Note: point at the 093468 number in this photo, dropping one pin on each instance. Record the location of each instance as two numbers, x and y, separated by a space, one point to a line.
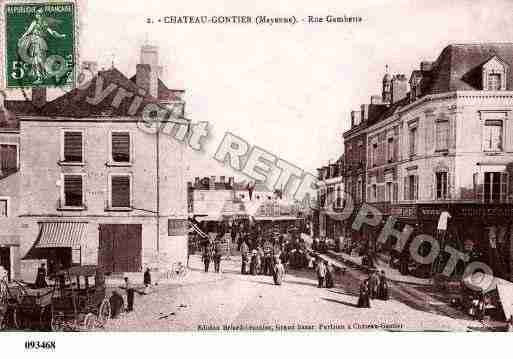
40 345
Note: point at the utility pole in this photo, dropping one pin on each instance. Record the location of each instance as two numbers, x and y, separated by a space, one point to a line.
158 186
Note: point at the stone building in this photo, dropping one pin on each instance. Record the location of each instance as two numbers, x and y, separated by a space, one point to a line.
96 187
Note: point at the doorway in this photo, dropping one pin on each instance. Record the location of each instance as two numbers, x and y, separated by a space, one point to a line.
5 260
120 248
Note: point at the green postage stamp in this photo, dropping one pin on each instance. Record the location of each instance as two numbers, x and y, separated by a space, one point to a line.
39 44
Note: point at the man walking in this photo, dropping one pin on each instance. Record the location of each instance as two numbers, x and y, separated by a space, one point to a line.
217 256
321 272
207 255
244 250
130 291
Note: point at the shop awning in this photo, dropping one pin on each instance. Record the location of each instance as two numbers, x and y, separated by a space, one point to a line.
61 234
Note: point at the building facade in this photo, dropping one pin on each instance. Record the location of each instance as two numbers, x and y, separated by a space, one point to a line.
93 186
447 145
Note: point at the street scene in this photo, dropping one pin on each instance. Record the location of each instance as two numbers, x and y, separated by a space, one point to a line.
158 183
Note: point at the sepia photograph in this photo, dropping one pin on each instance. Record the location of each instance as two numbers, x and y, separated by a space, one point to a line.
259 169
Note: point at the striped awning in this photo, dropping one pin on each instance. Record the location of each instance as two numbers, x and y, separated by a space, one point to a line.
61 234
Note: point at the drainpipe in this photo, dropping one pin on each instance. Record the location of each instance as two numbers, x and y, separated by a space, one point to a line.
158 189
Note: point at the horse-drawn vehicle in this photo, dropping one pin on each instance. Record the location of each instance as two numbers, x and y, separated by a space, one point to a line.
76 300
80 300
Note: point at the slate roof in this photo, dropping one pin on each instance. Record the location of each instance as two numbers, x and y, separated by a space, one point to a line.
458 67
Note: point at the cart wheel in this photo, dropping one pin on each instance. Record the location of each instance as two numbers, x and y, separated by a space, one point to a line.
89 322
104 313
45 318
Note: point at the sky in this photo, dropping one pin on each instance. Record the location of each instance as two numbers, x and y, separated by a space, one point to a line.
288 89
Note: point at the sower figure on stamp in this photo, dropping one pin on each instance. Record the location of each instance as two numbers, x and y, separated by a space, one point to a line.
32 43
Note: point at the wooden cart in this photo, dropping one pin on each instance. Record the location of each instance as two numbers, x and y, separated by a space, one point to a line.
80 301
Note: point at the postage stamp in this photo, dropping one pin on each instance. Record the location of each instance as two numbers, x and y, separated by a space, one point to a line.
39 44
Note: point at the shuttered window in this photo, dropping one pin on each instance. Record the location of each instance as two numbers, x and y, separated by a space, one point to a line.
8 158
73 191
442 185
3 208
442 135
73 143
120 191
492 136
121 146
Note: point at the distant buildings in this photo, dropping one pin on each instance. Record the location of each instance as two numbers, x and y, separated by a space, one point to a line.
88 185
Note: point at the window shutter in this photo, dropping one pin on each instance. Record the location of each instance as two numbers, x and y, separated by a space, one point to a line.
396 191
120 191
72 146
405 185
121 146
8 158
449 185
73 190
504 187
416 188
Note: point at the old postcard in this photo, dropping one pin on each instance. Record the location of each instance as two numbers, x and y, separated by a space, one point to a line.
259 167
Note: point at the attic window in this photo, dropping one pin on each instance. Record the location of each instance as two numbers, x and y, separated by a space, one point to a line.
495 74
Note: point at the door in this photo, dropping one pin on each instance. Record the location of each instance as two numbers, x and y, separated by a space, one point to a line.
120 247
5 260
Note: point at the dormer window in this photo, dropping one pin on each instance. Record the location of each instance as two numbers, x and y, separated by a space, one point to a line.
495 74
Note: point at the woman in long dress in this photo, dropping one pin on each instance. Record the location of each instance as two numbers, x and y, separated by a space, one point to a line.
32 45
278 272
364 300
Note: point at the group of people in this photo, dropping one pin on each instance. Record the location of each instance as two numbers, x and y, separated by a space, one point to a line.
373 287
269 259
212 252
324 271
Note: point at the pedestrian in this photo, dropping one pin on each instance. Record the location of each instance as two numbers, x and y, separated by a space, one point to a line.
383 287
130 292
218 250
207 255
41 277
364 298
329 275
278 271
260 259
244 250
321 272
147 281
253 264
373 284
116 304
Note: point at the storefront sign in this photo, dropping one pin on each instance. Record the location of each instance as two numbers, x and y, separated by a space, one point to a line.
176 227
405 211
488 211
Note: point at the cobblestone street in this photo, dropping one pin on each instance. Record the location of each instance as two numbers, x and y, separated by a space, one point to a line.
211 301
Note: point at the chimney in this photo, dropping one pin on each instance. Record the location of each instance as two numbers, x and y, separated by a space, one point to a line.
399 87
39 96
356 118
212 183
148 70
231 181
364 112
426 66
376 100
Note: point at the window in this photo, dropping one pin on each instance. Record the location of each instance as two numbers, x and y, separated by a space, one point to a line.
442 185
389 192
8 158
413 141
494 82
374 192
495 186
390 149
120 191
374 155
120 146
73 191
411 186
442 135
492 138
4 207
73 146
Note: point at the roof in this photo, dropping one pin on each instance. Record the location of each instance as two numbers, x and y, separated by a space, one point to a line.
163 92
458 67
75 103
8 119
